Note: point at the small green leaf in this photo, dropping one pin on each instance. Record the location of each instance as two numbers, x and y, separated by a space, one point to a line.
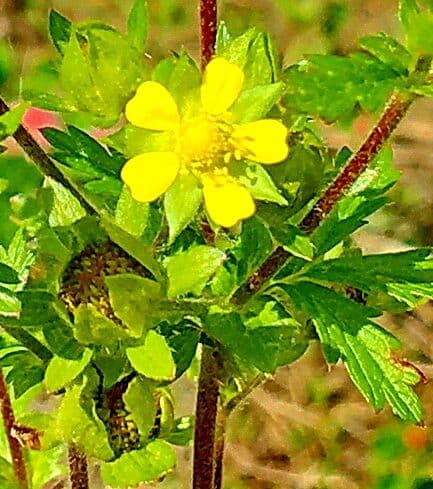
9 303
131 215
60 339
137 301
201 262
258 181
254 103
27 370
10 121
61 372
153 359
140 402
66 208
8 275
140 466
138 24
181 203
388 50
294 241
60 30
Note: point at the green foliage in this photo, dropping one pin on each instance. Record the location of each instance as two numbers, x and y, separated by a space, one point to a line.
10 121
61 372
138 24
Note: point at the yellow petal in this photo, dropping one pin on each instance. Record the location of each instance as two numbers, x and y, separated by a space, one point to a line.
149 175
227 202
152 107
264 141
222 84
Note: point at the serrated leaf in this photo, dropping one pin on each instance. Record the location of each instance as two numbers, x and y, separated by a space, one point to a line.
140 402
138 24
19 254
258 181
66 208
131 215
61 372
60 30
201 262
181 203
59 336
136 301
27 370
388 50
153 359
140 466
367 349
330 86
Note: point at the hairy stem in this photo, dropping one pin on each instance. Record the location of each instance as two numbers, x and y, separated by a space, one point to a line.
41 159
30 342
15 448
220 439
395 110
205 419
77 468
208 29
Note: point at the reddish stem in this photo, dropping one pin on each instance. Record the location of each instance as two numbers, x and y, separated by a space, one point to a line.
78 474
15 448
206 416
208 29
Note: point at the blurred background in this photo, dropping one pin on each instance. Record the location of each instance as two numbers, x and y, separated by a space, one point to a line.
308 427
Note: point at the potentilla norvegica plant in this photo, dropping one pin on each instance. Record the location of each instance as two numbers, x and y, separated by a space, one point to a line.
211 222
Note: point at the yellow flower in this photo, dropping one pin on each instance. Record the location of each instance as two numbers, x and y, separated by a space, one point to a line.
204 143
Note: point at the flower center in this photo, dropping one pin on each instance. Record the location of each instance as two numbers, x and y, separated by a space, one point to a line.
204 143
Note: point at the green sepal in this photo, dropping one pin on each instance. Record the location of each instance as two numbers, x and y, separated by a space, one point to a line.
60 30
145 465
138 24
140 402
181 203
153 359
131 215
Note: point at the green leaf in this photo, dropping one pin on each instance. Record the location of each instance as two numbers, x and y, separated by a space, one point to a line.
257 347
8 275
181 203
182 432
261 66
93 328
60 30
61 372
9 303
330 86
252 248
258 181
66 208
140 466
133 246
7 475
418 25
388 50
136 301
19 254
153 359
60 339
138 24
344 325
10 120
351 211
27 370
236 49
253 104
140 402
200 261
294 241
131 215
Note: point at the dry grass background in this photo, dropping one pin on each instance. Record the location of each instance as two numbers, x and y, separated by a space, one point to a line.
308 427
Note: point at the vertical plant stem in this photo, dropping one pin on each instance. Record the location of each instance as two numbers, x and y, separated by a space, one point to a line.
211 367
208 29
15 448
205 421
78 474
220 439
